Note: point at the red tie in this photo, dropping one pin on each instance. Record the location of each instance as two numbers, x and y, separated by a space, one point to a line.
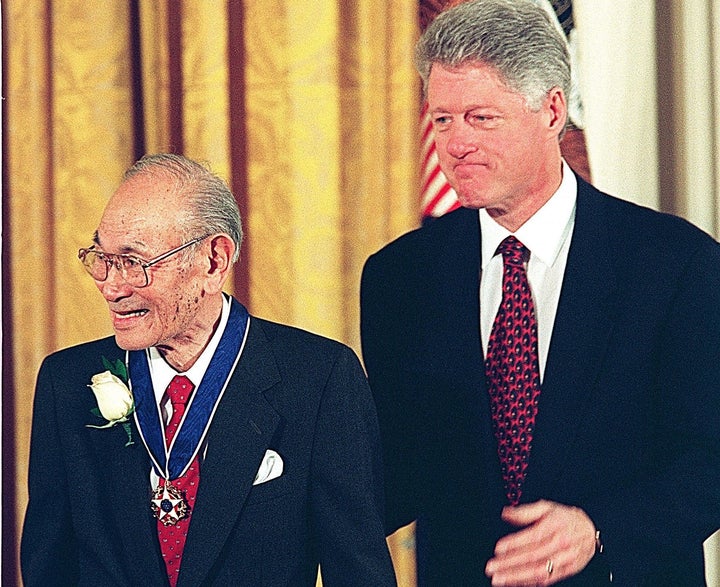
172 538
512 369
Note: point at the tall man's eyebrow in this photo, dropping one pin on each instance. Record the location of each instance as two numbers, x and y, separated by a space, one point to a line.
96 238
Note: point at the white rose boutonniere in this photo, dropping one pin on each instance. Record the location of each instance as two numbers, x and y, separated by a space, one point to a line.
114 398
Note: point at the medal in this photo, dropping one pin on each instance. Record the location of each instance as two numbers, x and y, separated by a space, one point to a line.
169 505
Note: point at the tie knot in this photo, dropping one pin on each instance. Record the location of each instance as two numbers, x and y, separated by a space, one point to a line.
512 250
179 390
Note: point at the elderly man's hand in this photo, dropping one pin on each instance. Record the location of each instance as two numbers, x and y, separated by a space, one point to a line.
556 542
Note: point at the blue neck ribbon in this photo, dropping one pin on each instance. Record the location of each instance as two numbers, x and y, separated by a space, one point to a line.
171 463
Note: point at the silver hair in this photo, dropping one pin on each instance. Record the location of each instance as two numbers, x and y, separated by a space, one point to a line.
518 38
212 208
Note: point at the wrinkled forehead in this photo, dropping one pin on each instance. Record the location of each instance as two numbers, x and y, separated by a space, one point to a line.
144 214
468 69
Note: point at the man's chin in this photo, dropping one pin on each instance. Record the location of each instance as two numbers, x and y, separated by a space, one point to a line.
473 202
472 196
130 343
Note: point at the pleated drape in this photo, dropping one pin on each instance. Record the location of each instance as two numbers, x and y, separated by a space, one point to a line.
67 139
331 125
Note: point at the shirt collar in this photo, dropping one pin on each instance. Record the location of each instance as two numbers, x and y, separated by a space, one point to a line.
544 232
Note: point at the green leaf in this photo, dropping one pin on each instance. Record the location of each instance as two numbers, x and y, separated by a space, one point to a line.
117 368
96 412
122 371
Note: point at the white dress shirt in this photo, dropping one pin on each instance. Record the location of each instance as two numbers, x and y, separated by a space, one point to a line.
162 373
547 235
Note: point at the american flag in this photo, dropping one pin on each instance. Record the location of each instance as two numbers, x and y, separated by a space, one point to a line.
438 197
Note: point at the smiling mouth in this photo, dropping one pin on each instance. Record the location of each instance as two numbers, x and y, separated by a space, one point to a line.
130 314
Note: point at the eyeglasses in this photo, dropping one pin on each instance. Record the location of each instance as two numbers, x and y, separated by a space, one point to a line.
132 269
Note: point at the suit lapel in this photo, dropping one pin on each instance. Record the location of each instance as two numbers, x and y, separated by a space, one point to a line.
455 303
125 492
240 434
457 328
584 321
132 496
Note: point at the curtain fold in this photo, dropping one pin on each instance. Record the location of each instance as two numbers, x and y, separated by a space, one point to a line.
205 86
691 90
24 254
67 139
153 34
331 118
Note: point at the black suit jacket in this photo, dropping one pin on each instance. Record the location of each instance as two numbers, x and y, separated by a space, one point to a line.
628 427
88 520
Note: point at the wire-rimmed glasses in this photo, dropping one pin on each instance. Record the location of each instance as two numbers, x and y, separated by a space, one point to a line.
132 269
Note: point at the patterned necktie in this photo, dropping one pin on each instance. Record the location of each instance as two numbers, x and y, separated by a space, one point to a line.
512 369
172 537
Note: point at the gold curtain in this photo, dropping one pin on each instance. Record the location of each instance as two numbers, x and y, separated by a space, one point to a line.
309 110
331 109
67 140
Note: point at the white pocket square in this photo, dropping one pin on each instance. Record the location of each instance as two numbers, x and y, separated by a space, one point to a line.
270 468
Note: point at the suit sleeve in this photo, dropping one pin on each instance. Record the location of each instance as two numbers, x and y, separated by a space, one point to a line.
347 494
383 344
677 505
48 548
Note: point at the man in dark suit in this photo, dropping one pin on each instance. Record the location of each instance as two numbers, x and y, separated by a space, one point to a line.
273 469
545 360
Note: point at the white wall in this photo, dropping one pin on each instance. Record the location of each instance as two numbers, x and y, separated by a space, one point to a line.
616 73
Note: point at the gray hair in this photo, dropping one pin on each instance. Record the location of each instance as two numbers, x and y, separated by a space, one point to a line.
212 208
518 38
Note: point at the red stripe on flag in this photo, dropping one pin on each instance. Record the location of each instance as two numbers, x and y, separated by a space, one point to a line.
437 197
430 152
433 174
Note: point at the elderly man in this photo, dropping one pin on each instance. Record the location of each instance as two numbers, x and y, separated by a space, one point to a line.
546 359
214 448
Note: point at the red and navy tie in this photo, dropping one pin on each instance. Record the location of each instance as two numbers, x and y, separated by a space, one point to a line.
172 537
512 369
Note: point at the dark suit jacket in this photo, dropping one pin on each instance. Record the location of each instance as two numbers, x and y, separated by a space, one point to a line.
88 520
628 427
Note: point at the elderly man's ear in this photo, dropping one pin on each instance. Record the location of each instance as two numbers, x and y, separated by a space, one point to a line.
220 254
